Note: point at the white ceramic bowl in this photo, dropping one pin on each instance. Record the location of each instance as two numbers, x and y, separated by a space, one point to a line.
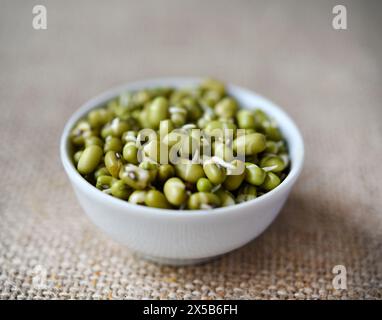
181 236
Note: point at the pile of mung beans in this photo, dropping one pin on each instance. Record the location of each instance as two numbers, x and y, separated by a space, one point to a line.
125 148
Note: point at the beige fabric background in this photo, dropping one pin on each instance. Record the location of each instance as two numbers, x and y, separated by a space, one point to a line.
329 81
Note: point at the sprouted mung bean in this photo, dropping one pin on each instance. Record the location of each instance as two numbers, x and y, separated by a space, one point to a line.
180 148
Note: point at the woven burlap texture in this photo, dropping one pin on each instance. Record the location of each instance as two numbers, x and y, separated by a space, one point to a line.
327 80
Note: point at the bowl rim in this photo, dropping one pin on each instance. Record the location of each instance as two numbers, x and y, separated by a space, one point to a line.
101 98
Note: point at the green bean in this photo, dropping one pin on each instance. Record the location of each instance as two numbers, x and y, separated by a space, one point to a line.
213 85
204 185
203 200
89 159
141 97
165 172
93 140
104 182
101 171
138 197
282 147
226 198
112 105
226 108
77 156
272 132
272 163
151 168
261 119
120 190
271 181
267 126
245 119
235 176
158 111
156 199
194 112
129 136
80 132
211 97
253 174
215 172
177 96
175 191
135 177
246 192
189 172
209 115
113 163
271 147
249 144
99 117
142 118
112 144
115 128
130 153
178 115
220 125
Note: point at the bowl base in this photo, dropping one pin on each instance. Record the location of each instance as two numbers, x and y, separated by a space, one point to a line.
177 262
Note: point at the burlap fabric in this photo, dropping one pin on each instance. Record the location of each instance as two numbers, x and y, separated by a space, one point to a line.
329 81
